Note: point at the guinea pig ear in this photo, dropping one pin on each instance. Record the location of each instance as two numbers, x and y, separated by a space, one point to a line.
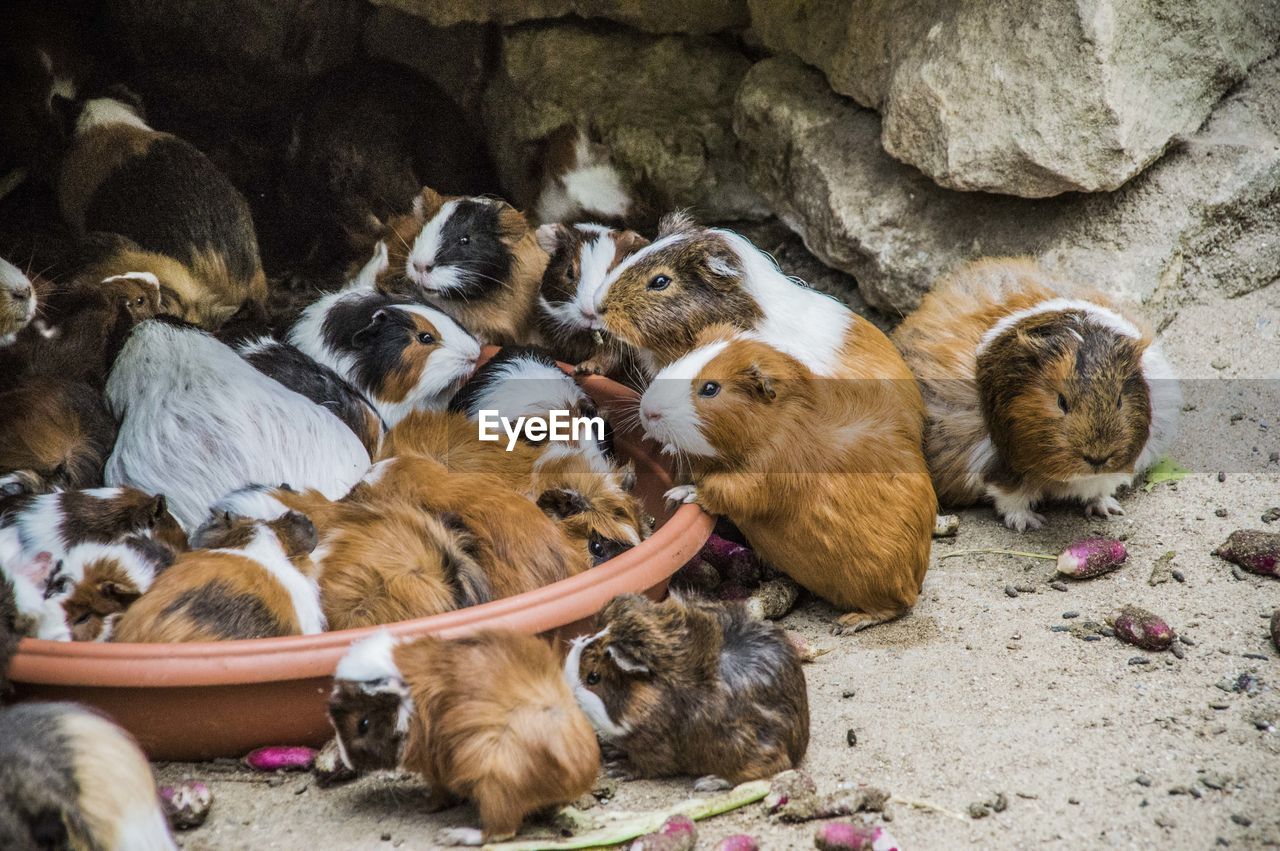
625 661
39 570
676 222
628 481
760 385
122 594
629 242
512 225
559 503
426 204
376 322
296 532
550 235
158 508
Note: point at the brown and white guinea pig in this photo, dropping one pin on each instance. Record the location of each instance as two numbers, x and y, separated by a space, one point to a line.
304 375
403 356
848 514
17 302
581 256
692 687
1036 389
572 179
54 433
519 546
488 718
57 522
246 580
121 176
69 778
96 583
475 257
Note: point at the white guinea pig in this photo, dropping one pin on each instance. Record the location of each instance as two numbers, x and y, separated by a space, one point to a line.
17 301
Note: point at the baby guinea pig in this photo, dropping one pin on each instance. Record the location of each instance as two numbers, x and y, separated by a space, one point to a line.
849 516
69 778
57 522
573 180
1036 389
580 258
17 301
692 687
475 257
245 581
488 718
403 356
95 583
121 176
56 433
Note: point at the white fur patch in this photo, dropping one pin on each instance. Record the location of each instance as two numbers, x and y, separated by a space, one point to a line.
670 398
1166 405
524 387
371 663
632 259
590 703
46 616
426 245
145 277
12 283
197 422
304 593
141 571
1096 313
252 502
100 112
367 277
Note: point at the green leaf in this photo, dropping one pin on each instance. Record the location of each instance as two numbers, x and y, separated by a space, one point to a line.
1165 470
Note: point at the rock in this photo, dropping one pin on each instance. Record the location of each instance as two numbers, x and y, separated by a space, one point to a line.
655 16
968 97
1205 219
662 106
391 34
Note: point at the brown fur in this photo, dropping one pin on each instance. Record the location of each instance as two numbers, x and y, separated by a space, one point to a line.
88 518
848 515
106 588
702 688
58 432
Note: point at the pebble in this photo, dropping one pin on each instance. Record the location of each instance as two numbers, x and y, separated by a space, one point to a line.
847 694
1261 656
1070 615
1058 586
1237 573
1177 651
1222 477
1219 512
1243 821
1010 591
1025 589
1217 782
1187 640
1139 660
1093 638
1178 575
1273 458
851 737
1073 801
1219 705
1271 515
1060 628
386 837
1220 363
1108 632
1142 780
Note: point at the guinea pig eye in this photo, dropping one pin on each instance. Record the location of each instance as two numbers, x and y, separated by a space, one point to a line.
426 338
709 389
1062 403
82 620
140 300
596 547
593 678
363 727
659 282
464 240
570 274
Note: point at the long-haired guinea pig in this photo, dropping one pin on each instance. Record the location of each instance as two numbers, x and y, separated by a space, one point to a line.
476 257
246 580
57 522
1036 388
572 179
95 583
25 579
310 378
403 356
69 778
366 137
17 301
121 176
692 687
488 718
825 478
581 257
57 433
197 422
519 546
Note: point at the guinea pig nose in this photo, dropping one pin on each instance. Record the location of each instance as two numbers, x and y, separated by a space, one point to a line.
1097 461
422 267
21 294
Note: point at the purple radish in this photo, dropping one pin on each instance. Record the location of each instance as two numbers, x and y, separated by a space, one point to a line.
738 842
282 758
186 804
677 833
1142 628
845 836
1091 557
1254 550
699 574
737 564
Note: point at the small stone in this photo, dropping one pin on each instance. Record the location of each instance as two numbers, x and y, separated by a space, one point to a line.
1237 573
1108 632
1187 640
1000 804
1094 637
1058 585
386 837
1070 615
1222 477
1142 780
978 810
1178 652
1060 628
1237 417
1259 656
1271 515
1220 512
1139 660
1242 820
848 694
1219 705
851 738
1025 589
1273 458
1073 801
1178 575
1010 591
1215 781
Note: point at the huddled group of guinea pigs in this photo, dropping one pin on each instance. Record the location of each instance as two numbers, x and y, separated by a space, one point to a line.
176 465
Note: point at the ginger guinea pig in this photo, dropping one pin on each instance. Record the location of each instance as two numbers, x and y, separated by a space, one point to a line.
475 257
825 478
69 778
96 583
487 718
692 687
244 581
17 301
1036 389
57 522
581 256
120 176
55 433
403 356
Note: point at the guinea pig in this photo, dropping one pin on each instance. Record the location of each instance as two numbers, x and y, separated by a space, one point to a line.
572 179
56 432
69 778
692 687
197 422
580 258
57 522
121 176
475 257
306 376
403 356
826 479
520 547
34 613
244 581
487 718
17 301
1036 388
365 138
95 583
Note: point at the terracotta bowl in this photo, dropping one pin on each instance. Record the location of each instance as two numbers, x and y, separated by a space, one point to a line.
222 699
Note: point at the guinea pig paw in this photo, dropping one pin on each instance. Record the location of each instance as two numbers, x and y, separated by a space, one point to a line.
711 783
588 367
1103 507
453 837
682 495
1022 521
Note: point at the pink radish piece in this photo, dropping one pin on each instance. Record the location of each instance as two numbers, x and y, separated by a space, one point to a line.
282 758
1091 557
737 842
845 836
1142 628
1254 550
186 804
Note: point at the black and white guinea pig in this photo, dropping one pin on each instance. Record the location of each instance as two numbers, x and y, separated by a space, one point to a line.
572 179
405 356
198 422
57 522
302 374
69 778
581 258
23 582
54 433
17 301
473 256
96 583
